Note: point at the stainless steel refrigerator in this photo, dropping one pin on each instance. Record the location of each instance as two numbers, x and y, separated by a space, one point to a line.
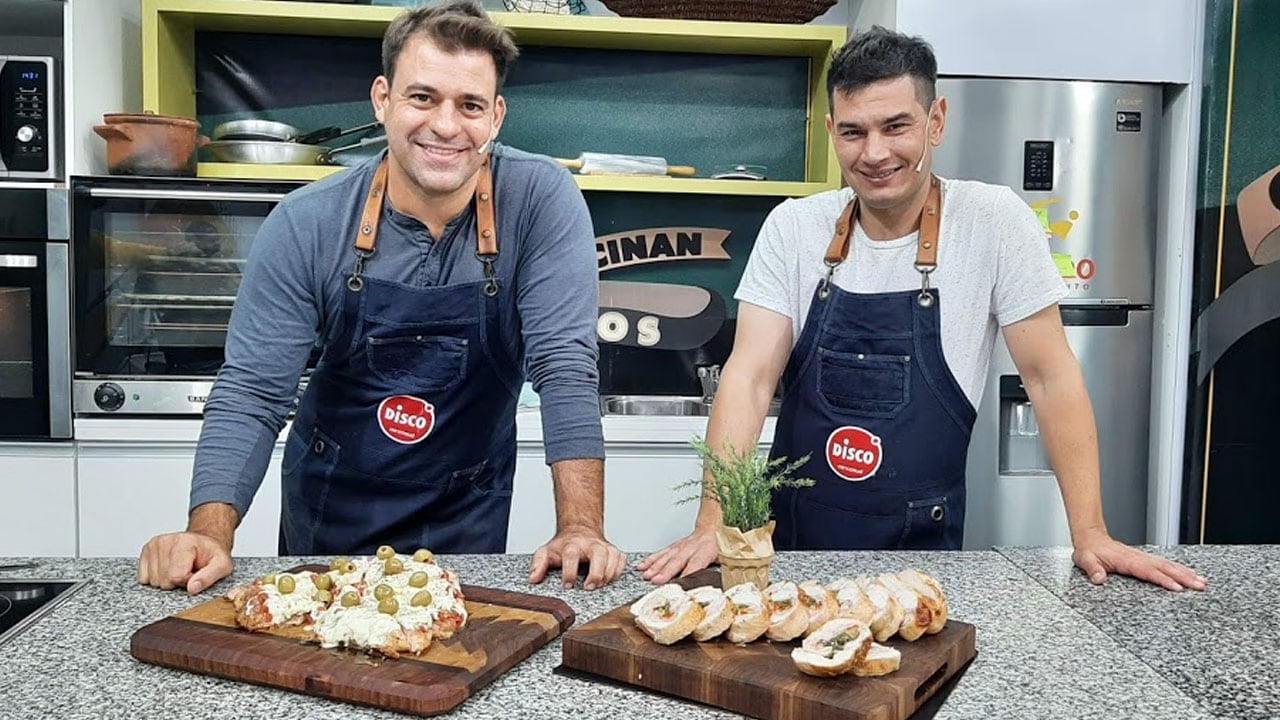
1084 156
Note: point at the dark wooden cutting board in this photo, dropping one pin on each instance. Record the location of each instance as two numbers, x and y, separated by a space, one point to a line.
759 679
503 629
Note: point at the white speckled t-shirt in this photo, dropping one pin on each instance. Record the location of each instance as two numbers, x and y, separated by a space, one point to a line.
994 267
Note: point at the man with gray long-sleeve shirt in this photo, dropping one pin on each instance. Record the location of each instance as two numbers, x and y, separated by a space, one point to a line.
433 277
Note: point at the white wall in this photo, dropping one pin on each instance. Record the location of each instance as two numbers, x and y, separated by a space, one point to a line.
105 66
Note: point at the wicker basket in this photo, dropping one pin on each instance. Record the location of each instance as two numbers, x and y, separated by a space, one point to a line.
771 11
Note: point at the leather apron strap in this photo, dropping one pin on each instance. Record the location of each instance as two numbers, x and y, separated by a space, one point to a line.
926 242
486 228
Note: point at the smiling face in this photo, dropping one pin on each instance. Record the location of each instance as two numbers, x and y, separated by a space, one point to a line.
440 109
879 133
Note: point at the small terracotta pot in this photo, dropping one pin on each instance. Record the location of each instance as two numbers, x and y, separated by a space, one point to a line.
745 557
150 144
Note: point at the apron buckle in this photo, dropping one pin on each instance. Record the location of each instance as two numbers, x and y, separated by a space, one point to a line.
490 277
355 283
925 299
824 289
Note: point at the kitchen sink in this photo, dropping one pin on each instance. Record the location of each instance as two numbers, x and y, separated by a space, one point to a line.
668 405
661 405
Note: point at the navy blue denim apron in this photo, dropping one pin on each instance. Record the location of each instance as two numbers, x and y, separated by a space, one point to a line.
868 395
406 433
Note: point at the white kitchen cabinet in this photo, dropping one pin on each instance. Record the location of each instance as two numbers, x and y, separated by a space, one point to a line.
132 491
38 514
1133 41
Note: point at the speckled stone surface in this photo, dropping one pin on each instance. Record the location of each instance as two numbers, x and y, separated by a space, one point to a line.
1036 657
1220 646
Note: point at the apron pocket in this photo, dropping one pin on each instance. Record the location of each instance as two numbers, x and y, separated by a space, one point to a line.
929 524
863 384
306 472
478 480
426 363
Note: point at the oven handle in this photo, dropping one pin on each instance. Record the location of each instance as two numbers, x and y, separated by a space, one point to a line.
58 275
142 194
19 261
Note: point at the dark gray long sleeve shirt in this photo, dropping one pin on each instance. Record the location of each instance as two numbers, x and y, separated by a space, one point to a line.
291 298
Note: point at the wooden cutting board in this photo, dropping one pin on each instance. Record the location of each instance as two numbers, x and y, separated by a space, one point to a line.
503 628
759 679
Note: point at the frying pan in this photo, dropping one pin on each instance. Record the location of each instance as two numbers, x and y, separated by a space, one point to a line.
255 129
275 152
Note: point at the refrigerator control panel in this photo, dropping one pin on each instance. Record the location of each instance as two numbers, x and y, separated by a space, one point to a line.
1037 165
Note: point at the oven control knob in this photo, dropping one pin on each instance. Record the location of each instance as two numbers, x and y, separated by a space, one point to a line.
26 134
109 396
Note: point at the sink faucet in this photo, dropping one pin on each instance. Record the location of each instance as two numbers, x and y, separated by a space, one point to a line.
709 376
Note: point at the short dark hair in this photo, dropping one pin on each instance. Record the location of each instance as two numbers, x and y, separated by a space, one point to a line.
455 25
880 54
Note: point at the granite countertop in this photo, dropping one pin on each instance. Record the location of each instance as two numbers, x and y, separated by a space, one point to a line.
1049 645
1221 647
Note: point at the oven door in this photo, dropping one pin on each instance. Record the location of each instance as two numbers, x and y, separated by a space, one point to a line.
158 264
34 341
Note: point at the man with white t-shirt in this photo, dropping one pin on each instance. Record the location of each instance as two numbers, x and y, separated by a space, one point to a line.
877 307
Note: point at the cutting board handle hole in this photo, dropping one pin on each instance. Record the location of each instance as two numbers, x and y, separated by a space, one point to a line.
930 682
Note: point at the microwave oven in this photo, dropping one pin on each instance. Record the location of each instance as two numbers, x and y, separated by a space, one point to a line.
28 118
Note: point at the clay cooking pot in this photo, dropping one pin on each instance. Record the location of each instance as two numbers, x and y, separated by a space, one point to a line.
150 144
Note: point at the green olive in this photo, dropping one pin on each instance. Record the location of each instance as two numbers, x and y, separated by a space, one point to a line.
388 605
350 599
382 592
285 584
394 566
347 567
322 596
339 563
324 582
418 579
422 598
423 555
268 579
386 551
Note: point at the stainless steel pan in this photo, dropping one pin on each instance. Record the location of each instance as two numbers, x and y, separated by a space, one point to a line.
254 129
274 152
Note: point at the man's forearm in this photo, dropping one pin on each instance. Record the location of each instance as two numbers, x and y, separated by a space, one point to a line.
215 520
579 489
737 416
1070 435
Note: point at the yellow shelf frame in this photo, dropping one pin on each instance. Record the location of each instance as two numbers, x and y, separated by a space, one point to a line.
168 69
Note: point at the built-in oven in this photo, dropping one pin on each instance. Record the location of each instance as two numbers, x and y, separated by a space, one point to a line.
35 318
158 263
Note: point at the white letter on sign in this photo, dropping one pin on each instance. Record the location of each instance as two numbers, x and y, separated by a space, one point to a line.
612 326
647 331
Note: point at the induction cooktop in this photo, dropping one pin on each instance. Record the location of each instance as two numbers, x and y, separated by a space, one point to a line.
23 601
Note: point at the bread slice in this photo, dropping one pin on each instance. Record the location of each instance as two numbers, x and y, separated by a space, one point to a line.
888 615
930 591
750 620
819 601
916 612
668 614
880 660
717 612
788 618
833 649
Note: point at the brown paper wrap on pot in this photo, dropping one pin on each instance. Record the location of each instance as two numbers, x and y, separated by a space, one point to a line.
745 557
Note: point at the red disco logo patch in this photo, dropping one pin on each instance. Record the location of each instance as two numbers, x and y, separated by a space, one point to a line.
853 453
406 419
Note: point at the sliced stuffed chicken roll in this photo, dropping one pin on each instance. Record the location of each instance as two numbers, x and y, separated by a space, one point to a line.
888 615
819 601
917 614
930 592
717 612
880 660
852 601
668 614
788 618
750 620
833 649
